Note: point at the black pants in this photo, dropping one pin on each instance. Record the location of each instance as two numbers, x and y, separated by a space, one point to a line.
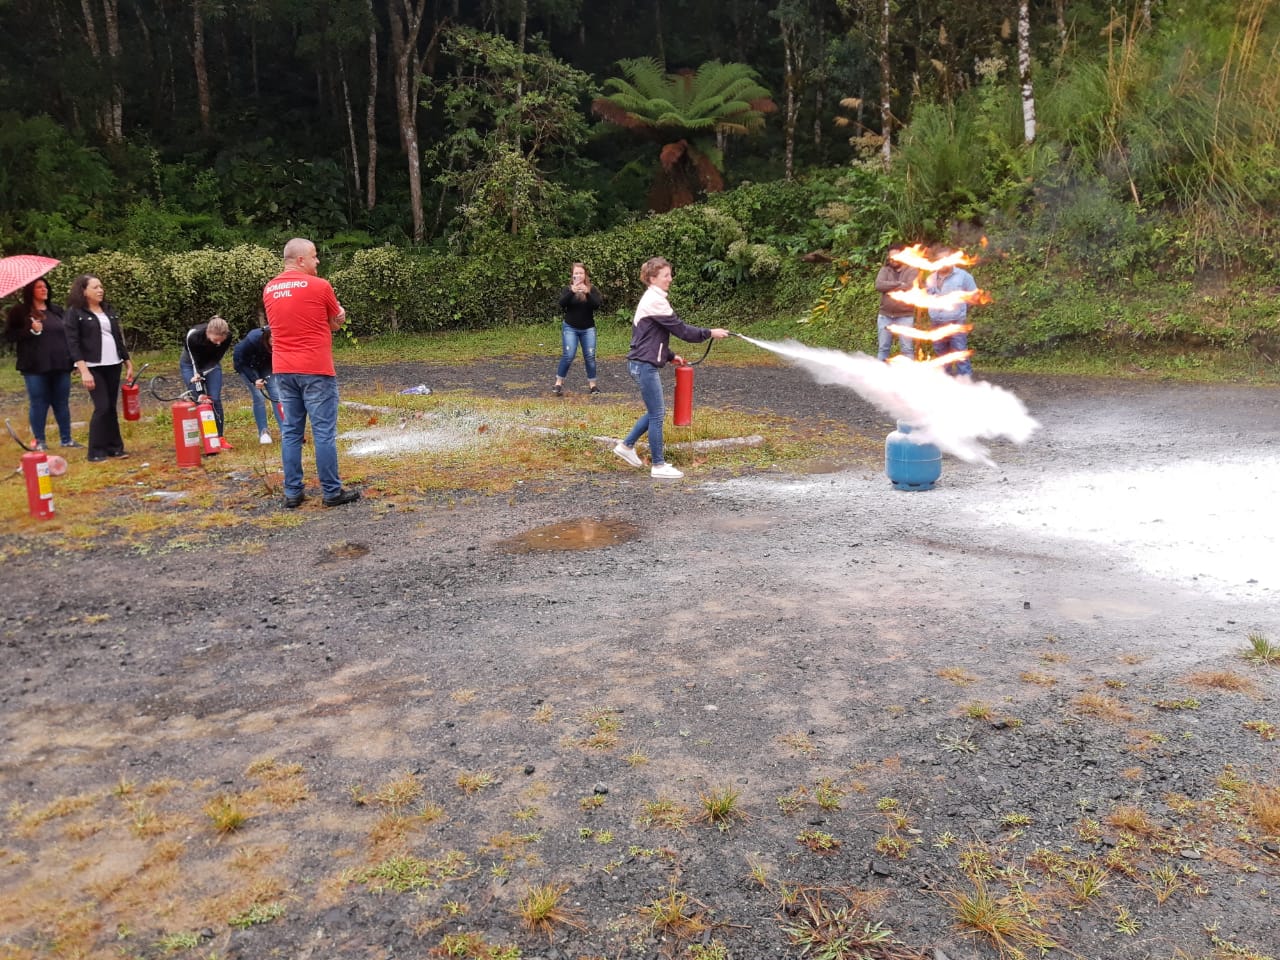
104 426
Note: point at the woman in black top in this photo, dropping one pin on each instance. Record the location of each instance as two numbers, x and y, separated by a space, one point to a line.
97 348
203 348
35 327
579 301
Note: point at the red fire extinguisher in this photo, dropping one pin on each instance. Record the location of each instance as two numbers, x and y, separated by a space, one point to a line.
131 396
38 469
682 415
210 441
186 433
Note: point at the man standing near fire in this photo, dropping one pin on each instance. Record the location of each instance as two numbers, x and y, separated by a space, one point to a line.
894 276
944 280
303 314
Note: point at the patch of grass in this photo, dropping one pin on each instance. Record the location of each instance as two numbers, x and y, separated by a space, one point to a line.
256 914
226 813
800 742
1132 819
677 914
1101 706
473 946
173 942
1264 805
1227 680
818 841
828 932
664 812
1263 728
400 792
958 676
606 724
403 873
1261 650
1187 703
636 758
542 910
1039 679
978 711
475 782
1003 920
720 807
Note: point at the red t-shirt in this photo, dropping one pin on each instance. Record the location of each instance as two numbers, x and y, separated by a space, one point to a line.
298 309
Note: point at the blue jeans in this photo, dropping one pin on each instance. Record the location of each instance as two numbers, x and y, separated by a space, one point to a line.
47 391
314 395
260 404
570 337
212 385
957 341
650 381
884 339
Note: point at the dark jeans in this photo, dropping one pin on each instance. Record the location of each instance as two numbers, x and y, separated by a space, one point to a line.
315 396
212 385
570 338
47 391
650 381
104 425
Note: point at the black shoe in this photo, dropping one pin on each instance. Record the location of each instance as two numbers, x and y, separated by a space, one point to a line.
346 496
97 459
593 389
70 444
558 389
293 503
120 455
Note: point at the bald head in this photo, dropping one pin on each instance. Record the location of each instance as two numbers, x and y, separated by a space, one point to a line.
300 254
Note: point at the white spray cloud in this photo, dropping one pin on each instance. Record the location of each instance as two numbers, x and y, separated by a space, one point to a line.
951 413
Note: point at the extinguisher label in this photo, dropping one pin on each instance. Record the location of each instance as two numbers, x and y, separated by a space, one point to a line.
44 480
190 432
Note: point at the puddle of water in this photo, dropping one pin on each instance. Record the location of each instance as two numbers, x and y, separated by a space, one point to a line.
583 534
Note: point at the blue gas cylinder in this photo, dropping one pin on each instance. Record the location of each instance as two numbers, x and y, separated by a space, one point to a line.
911 464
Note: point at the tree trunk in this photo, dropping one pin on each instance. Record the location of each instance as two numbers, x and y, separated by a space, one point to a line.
789 83
111 18
1024 71
817 120
1060 13
370 116
406 25
201 66
886 86
351 124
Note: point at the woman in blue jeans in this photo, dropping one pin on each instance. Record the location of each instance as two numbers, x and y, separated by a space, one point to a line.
579 301
252 360
35 328
652 327
201 363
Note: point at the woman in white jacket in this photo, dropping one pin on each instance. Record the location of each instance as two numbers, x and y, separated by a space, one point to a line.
652 327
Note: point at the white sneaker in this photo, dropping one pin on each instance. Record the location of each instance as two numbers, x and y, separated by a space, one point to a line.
265 438
665 471
628 454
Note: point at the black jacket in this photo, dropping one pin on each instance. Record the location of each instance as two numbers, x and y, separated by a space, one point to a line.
251 356
44 352
84 334
203 352
580 314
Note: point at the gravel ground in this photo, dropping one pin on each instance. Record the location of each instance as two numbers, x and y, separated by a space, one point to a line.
1023 676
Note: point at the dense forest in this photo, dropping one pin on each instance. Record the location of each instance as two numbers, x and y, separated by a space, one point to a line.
1129 137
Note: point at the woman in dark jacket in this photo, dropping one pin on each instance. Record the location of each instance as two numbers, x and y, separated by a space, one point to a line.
579 301
252 360
97 348
203 348
653 326
35 326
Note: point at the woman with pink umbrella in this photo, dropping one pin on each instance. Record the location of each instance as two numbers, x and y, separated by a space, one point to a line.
98 350
35 327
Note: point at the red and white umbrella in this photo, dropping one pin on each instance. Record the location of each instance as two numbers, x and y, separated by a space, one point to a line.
17 272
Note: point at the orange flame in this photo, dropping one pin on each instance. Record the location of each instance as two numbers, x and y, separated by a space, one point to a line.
918 297
916 256
933 336
946 359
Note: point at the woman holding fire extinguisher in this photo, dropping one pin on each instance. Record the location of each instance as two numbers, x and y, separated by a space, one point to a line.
97 348
652 327
203 348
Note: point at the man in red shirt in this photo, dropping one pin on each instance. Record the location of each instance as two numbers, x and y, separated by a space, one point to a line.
303 314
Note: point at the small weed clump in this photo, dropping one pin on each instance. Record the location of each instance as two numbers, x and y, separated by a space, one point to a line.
226 813
258 913
677 914
542 911
720 807
1002 919
1262 651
